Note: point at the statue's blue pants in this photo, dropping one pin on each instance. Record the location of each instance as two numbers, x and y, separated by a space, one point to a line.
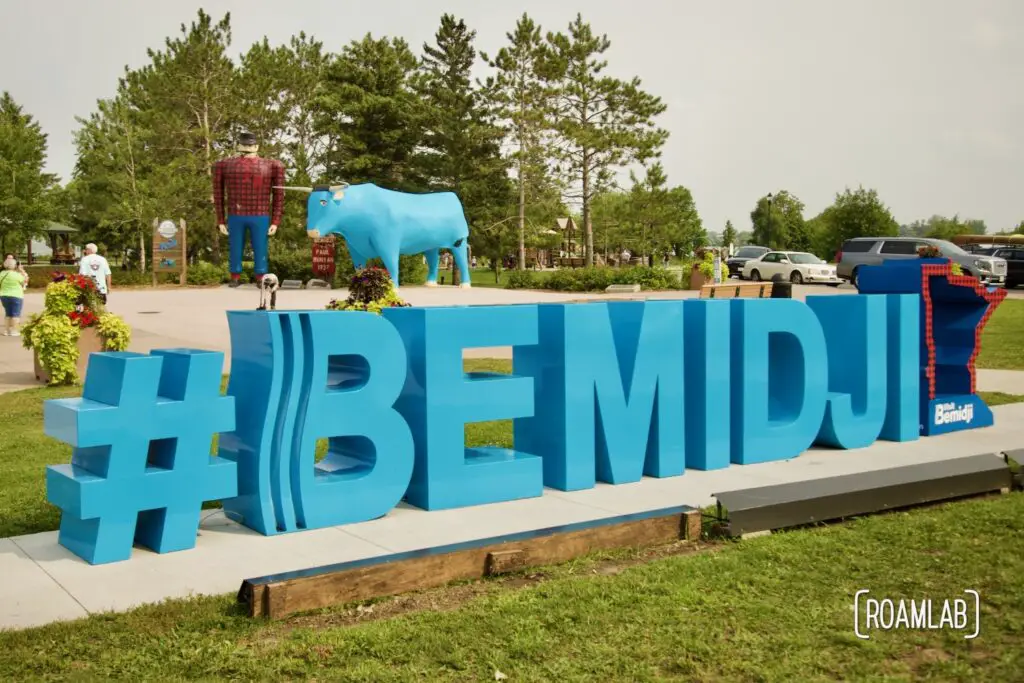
257 227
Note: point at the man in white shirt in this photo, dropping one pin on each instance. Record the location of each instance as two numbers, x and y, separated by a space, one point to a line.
96 267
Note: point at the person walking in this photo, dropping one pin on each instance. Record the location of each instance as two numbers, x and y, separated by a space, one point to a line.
96 267
12 294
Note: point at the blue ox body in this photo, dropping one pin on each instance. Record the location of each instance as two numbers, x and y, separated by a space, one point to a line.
379 223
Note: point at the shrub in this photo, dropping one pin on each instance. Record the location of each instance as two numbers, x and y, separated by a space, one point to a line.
928 251
292 264
71 305
135 278
579 279
411 268
55 340
707 265
114 331
369 284
520 279
41 275
648 278
370 289
204 274
597 279
61 298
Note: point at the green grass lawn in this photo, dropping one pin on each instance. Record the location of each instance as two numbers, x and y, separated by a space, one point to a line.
1002 346
776 608
484 277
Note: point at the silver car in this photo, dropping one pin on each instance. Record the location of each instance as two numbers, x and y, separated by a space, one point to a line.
872 251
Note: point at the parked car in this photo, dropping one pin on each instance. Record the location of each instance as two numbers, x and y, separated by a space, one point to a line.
1014 257
796 266
873 251
742 255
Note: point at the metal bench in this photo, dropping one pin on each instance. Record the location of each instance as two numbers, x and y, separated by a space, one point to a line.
743 290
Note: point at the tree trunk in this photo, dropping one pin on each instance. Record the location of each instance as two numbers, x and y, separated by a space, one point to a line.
522 200
588 229
209 173
142 251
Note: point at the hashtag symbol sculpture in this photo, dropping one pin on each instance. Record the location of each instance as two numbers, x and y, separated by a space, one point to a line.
141 466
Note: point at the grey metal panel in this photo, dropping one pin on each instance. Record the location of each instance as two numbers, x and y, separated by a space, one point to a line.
819 500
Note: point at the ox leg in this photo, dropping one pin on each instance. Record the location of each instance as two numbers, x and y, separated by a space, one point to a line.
358 260
461 254
390 259
433 257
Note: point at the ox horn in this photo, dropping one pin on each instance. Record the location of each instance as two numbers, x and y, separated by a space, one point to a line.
307 190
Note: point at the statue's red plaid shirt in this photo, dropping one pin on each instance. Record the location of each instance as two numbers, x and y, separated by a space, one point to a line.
243 185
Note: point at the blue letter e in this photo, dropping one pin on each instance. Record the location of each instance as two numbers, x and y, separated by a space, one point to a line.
440 398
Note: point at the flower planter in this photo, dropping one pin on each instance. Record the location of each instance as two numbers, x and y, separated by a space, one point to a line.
88 342
697 279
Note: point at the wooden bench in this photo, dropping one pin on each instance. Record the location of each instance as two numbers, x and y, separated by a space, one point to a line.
742 290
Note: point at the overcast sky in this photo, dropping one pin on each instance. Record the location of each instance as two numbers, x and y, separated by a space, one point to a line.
921 99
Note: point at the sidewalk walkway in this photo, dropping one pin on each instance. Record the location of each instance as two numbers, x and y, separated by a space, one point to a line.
43 582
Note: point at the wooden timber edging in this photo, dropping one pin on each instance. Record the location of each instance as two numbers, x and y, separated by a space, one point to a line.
280 595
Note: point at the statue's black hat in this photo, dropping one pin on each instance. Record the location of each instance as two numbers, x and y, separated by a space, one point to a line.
247 139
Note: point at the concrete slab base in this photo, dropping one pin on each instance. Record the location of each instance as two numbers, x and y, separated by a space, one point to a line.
43 582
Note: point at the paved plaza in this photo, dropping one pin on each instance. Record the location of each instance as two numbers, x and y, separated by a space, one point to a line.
195 318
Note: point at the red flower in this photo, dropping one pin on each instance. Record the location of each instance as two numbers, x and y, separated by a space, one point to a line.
83 319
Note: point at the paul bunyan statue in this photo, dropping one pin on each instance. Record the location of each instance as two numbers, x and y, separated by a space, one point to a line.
248 198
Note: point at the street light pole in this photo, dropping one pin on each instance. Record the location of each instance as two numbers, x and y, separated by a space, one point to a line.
769 238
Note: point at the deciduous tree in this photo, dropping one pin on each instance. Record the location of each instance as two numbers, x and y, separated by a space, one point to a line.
23 184
778 223
855 213
187 98
604 123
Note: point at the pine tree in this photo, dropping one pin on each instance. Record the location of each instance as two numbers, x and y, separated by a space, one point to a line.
276 89
187 97
604 123
367 108
522 97
728 235
463 140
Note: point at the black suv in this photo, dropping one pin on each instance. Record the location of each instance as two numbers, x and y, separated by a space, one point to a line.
742 255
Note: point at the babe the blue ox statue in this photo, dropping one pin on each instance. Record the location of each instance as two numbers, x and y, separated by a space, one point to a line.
379 223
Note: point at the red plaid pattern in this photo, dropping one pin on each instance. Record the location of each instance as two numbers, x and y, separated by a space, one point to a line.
244 186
